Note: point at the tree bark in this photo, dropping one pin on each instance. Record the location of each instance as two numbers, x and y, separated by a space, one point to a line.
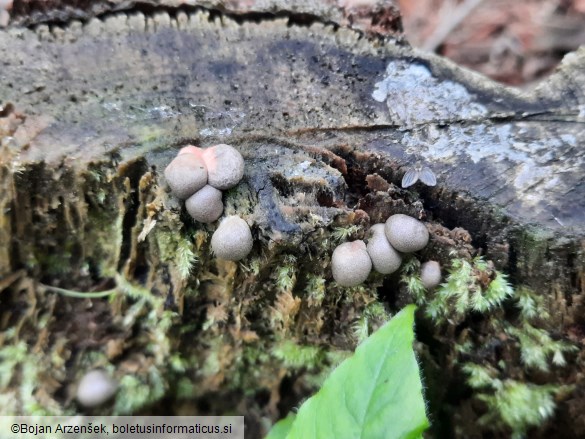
328 119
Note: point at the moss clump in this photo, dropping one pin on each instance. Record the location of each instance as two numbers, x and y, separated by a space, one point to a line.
537 348
473 288
21 371
137 392
410 277
373 316
177 248
295 356
512 405
342 234
285 274
315 290
531 306
470 287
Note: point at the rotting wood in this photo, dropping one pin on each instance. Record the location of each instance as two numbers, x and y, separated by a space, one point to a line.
82 175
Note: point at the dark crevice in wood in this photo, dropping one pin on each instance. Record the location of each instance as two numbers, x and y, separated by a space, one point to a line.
134 171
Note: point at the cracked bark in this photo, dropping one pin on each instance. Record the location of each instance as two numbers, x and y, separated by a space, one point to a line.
102 106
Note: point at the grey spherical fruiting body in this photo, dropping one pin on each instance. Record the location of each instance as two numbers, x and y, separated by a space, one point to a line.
225 166
95 388
205 205
186 174
405 233
350 263
232 240
430 274
384 257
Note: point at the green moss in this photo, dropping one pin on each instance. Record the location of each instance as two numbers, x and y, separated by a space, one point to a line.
519 406
342 234
315 290
186 258
177 249
185 388
286 274
463 293
512 405
146 316
373 316
54 264
212 364
239 200
531 305
410 276
480 377
11 356
137 292
475 288
537 348
332 359
21 372
249 368
360 329
497 292
295 356
136 392
532 246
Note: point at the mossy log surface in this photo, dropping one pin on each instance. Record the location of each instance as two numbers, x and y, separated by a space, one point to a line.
328 119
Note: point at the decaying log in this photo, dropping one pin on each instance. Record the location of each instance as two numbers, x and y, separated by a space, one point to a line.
94 110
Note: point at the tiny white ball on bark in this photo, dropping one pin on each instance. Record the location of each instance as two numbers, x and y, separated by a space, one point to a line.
95 388
430 274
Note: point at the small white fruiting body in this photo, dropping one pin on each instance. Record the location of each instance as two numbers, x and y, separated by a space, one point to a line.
205 205
186 174
225 166
350 263
232 240
385 258
95 388
406 234
430 274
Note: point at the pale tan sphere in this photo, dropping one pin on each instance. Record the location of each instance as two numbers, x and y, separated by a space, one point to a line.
430 274
232 240
95 388
406 234
205 205
225 166
186 174
385 258
350 263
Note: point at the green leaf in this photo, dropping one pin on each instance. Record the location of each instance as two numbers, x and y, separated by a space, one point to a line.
377 393
281 428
